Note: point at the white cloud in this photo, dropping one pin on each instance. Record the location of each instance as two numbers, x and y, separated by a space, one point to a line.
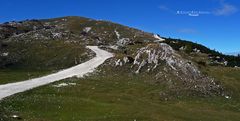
225 10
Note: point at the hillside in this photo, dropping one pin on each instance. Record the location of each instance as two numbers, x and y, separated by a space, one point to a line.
147 73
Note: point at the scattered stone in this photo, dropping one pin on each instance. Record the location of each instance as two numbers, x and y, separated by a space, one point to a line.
123 41
118 63
16 117
196 50
87 29
182 48
5 54
114 47
56 35
225 63
125 59
117 34
143 63
159 39
64 85
227 97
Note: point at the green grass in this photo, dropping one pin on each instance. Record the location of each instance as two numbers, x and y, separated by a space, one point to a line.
9 75
116 97
34 59
229 77
39 55
38 58
117 94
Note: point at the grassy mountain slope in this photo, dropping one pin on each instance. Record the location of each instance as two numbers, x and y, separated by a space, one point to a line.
117 97
148 79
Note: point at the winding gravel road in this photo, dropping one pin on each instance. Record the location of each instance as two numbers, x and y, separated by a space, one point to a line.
79 70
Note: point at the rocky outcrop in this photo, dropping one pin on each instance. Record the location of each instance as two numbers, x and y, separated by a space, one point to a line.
167 65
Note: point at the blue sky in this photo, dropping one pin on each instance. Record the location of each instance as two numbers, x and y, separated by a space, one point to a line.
215 23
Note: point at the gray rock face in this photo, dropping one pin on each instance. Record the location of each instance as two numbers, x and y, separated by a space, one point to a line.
155 53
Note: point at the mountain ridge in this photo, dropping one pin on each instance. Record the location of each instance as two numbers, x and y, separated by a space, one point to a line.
143 52
233 53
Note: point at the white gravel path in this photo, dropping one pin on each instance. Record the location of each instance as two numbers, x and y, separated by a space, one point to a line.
79 70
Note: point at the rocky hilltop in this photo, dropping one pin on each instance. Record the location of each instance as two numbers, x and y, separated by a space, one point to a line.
60 43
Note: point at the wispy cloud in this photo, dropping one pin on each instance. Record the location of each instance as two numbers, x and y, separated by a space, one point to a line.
166 9
225 9
163 8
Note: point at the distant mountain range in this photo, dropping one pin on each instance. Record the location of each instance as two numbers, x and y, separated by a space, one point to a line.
233 53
